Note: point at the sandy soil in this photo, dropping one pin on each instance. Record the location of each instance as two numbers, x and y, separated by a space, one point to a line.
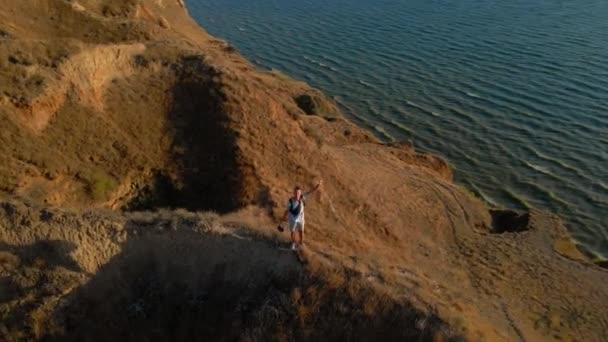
130 106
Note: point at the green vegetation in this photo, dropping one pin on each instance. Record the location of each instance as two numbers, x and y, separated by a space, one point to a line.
100 185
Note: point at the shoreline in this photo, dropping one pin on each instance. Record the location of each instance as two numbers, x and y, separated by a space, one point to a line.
154 123
569 216
565 246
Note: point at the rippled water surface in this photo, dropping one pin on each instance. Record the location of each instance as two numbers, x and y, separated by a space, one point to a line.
514 93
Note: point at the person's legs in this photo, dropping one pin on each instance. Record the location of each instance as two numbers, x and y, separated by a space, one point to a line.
292 227
301 232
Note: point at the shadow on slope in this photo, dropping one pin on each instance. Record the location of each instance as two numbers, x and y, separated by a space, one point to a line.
509 221
202 170
171 283
43 254
29 276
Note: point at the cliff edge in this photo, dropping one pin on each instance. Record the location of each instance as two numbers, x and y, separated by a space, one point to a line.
112 109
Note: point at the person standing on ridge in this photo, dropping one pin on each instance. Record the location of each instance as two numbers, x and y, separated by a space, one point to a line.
295 213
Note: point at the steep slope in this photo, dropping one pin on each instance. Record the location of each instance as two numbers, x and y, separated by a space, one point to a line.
129 105
179 276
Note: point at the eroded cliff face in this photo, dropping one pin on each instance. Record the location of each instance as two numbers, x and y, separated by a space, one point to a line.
94 109
130 105
177 275
107 103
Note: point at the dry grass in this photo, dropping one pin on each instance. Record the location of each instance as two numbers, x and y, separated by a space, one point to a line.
176 119
180 275
566 247
100 185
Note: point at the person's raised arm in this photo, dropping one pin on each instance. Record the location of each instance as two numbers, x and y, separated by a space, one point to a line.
315 188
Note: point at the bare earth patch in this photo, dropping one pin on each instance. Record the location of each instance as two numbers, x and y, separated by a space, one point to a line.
123 122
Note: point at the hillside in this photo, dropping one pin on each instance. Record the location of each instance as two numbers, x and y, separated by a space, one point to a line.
113 110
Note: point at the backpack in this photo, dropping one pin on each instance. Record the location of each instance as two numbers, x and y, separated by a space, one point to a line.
296 210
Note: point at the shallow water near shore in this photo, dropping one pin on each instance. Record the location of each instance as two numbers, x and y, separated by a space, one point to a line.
514 94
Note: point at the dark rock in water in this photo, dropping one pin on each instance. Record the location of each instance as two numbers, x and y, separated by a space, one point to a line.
509 221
